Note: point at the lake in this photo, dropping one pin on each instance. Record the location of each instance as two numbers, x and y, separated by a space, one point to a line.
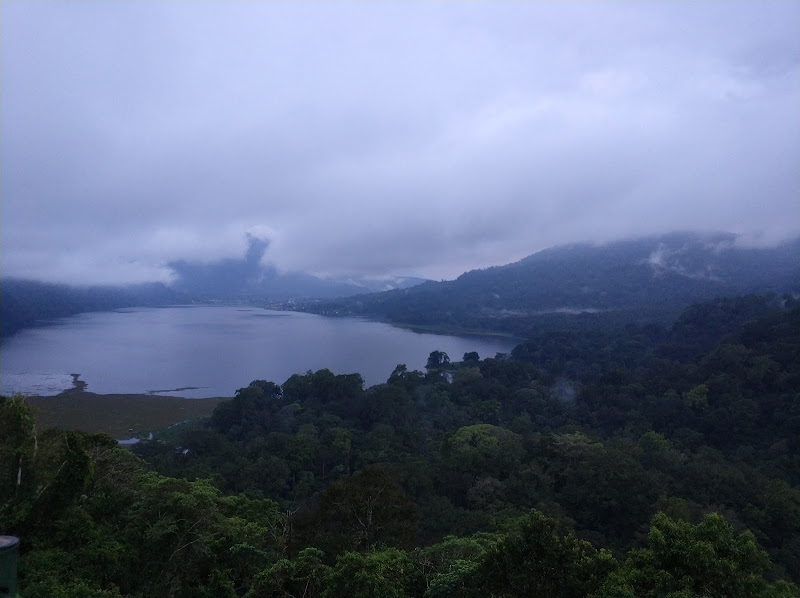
206 351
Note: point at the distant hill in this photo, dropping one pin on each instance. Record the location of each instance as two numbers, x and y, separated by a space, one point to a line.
573 286
640 280
26 303
249 280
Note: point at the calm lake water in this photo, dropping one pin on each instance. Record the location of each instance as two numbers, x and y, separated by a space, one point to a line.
212 351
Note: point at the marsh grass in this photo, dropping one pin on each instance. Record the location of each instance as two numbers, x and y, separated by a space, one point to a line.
119 415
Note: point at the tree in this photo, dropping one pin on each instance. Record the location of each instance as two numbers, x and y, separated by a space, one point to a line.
535 559
471 358
437 360
693 561
389 404
365 510
450 567
17 452
302 577
387 573
484 449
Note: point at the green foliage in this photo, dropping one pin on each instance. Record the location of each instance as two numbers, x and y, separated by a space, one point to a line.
615 430
388 573
305 576
457 467
17 452
485 449
437 360
455 582
535 559
688 561
363 511
470 358
449 568
93 522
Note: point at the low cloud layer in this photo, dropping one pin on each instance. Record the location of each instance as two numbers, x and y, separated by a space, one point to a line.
386 138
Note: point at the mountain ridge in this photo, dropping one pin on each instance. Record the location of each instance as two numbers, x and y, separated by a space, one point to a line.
568 286
635 280
248 278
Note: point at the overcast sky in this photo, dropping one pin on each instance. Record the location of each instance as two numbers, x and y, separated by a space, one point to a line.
386 138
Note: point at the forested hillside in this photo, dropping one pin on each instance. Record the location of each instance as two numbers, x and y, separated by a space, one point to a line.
586 286
646 461
26 303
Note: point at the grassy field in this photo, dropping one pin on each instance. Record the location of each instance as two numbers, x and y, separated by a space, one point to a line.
121 416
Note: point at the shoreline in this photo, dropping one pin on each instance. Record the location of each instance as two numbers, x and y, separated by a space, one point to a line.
445 331
442 330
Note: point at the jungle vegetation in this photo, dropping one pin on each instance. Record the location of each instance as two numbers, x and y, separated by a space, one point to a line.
645 461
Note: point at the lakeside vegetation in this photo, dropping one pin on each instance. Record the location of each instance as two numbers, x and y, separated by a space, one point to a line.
646 461
118 415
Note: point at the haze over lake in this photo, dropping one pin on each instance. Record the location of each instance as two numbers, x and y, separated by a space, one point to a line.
209 351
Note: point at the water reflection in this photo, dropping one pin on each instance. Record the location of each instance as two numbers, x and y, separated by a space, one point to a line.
208 351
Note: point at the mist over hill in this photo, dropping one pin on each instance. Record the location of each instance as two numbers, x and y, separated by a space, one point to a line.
248 278
571 286
636 280
27 303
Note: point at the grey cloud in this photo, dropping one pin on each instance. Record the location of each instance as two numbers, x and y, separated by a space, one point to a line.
386 138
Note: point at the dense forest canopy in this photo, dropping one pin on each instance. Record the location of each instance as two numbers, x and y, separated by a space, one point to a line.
646 461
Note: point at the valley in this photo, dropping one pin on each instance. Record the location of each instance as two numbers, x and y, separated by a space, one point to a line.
601 407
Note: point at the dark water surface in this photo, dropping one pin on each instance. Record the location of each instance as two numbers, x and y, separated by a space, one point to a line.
205 351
